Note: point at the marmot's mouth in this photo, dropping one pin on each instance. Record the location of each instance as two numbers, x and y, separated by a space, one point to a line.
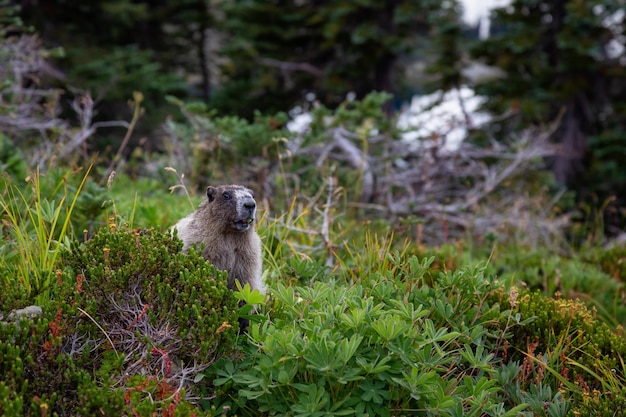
243 224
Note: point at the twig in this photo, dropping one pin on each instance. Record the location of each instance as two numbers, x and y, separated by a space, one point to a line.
181 184
464 186
137 112
291 66
354 156
326 220
101 329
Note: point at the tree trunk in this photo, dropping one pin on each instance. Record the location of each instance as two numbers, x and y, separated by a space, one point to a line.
202 50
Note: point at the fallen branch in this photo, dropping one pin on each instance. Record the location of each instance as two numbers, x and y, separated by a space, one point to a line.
477 189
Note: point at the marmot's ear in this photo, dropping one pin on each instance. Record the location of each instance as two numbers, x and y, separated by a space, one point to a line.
210 193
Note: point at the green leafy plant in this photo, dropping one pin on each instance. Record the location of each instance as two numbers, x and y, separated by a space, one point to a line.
387 346
37 229
151 276
40 380
215 146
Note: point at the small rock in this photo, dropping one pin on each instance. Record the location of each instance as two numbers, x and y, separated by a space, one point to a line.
27 312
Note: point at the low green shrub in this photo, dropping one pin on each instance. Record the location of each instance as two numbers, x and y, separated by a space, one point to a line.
143 273
39 378
385 345
213 148
575 278
131 323
563 345
611 260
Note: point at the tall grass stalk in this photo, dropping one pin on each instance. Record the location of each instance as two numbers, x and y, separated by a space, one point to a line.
278 235
39 229
181 185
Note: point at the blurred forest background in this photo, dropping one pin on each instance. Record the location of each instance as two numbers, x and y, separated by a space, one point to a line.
552 72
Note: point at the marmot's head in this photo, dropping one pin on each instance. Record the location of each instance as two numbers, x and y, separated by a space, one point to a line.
233 205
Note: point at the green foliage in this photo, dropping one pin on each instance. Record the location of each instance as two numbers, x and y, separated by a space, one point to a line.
115 74
612 261
278 52
343 156
385 332
9 17
355 121
130 322
11 159
593 280
148 271
447 47
360 116
596 404
384 347
114 47
218 147
36 228
563 345
40 379
559 65
146 202
354 323
608 154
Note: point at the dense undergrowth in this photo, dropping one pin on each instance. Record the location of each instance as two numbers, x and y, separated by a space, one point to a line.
359 320
128 322
402 280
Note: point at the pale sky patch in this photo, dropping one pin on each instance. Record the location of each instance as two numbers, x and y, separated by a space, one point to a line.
475 10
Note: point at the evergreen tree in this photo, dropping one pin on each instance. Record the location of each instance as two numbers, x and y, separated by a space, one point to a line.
115 47
562 63
281 50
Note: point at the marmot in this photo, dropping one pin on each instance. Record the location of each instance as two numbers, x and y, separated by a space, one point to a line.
224 222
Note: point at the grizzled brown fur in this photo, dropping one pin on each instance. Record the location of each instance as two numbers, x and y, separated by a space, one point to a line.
225 223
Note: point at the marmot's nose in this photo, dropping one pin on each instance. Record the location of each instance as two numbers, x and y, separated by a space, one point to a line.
249 204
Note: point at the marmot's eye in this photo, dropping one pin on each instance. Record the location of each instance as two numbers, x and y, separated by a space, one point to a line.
226 196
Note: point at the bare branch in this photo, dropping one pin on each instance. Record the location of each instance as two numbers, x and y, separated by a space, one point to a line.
477 189
291 66
30 113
